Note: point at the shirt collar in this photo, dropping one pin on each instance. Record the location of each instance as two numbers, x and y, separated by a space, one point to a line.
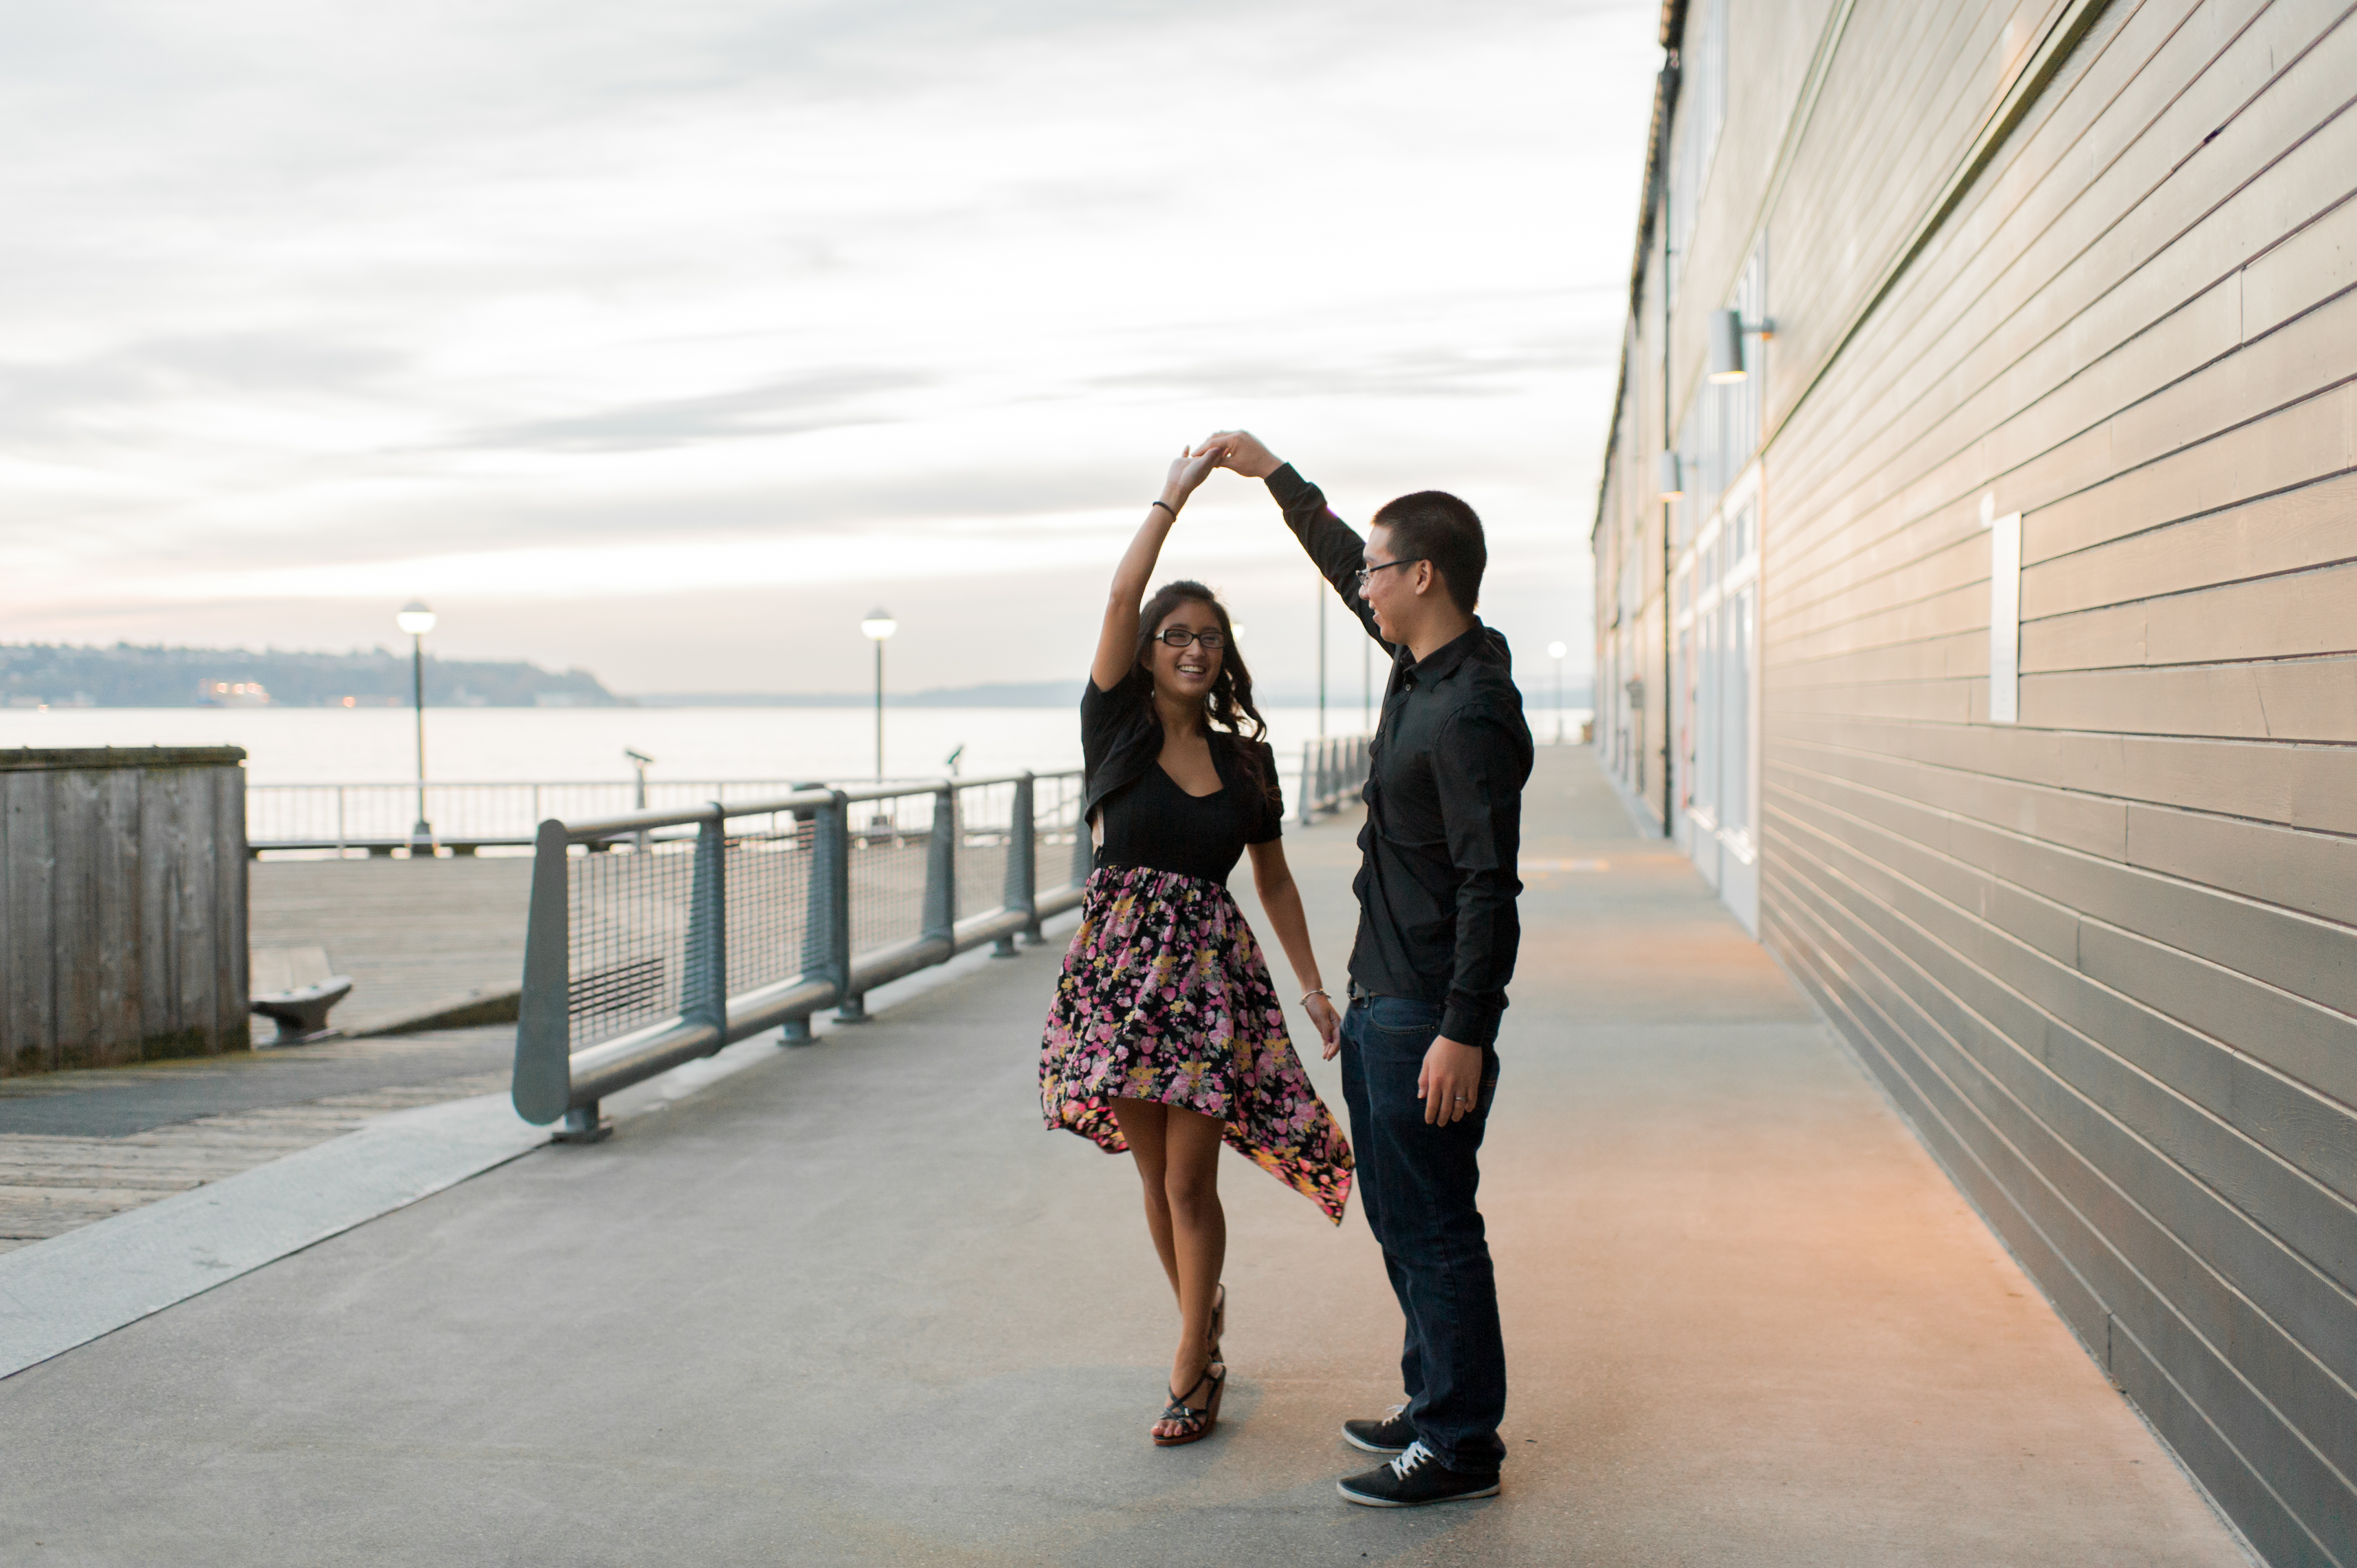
1437 665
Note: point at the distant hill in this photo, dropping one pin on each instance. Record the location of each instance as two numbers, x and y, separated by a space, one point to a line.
128 676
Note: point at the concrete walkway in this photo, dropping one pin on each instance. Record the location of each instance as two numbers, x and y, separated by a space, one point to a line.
852 1306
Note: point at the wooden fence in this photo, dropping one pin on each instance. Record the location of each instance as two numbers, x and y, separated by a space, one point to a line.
122 905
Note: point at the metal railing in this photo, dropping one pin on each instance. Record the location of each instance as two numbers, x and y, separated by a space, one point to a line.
1333 773
702 927
469 816
465 817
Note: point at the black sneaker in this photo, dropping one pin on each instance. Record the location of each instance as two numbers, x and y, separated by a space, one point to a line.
1413 1479
1391 1434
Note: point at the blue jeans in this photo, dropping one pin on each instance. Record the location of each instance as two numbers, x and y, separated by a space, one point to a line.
1417 1184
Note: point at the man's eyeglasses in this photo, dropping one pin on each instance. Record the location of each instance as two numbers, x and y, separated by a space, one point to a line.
1367 572
1179 637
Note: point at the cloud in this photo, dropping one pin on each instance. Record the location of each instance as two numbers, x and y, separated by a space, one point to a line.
821 400
94 398
1432 371
307 301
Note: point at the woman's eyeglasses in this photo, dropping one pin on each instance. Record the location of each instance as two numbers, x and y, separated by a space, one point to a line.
1179 637
1367 572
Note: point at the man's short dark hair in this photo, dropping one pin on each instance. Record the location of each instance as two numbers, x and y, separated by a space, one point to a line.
1434 526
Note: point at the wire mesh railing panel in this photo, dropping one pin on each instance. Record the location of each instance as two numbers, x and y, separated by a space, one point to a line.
627 938
888 891
982 875
768 882
986 834
1056 830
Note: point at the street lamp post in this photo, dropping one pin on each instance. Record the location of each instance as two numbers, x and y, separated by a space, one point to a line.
1321 659
879 626
417 621
1555 650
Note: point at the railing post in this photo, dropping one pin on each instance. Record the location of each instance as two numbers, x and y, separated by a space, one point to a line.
1084 853
940 868
1022 868
853 1007
1308 782
826 929
704 985
541 1087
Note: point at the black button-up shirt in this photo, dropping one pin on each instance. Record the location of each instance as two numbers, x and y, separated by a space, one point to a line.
1437 878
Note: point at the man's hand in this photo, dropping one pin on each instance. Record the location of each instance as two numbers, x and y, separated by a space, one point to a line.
1450 1083
1241 451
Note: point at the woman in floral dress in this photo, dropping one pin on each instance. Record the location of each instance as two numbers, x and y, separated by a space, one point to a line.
1166 1036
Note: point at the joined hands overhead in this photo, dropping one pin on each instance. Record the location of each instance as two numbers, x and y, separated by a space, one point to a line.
1241 452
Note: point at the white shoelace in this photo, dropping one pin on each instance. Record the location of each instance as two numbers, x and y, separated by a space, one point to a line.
1415 1454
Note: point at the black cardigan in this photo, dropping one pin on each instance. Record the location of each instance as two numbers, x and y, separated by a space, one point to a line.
1121 739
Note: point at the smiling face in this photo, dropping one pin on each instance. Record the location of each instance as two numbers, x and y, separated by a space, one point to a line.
1186 671
1391 588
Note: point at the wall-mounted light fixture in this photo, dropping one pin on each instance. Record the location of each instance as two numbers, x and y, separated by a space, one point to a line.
1728 332
1666 478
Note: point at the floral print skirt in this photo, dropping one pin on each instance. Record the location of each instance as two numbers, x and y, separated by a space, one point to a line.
1165 997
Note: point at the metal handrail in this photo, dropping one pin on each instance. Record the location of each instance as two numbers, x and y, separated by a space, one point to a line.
552 1080
377 818
469 814
1333 772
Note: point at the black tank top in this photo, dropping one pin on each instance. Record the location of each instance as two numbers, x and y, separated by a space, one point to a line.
1155 824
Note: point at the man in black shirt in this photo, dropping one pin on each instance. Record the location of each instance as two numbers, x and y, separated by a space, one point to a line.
1438 933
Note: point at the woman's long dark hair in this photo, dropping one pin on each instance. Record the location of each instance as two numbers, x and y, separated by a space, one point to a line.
1228 708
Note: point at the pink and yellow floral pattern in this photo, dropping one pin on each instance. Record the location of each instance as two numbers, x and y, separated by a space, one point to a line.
1165 997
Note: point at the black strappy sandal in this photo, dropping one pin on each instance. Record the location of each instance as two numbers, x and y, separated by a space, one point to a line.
1194 1424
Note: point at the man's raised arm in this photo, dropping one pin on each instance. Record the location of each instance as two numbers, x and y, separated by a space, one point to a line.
1333 545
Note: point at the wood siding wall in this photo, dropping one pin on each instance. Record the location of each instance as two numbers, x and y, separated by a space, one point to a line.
122 908
2105 957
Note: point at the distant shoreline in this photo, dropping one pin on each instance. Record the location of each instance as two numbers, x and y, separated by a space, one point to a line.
1027 695
1001 695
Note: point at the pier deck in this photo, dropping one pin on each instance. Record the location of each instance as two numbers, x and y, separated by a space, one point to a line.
852 1306
422 940
78 1147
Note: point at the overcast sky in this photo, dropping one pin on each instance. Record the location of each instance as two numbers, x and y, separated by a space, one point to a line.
664 340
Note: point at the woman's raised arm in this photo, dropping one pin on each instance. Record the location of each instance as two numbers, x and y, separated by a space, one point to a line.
1118 642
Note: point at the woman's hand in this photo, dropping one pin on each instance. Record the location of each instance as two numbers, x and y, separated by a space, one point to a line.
1116 653
1187 471
1327 1021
